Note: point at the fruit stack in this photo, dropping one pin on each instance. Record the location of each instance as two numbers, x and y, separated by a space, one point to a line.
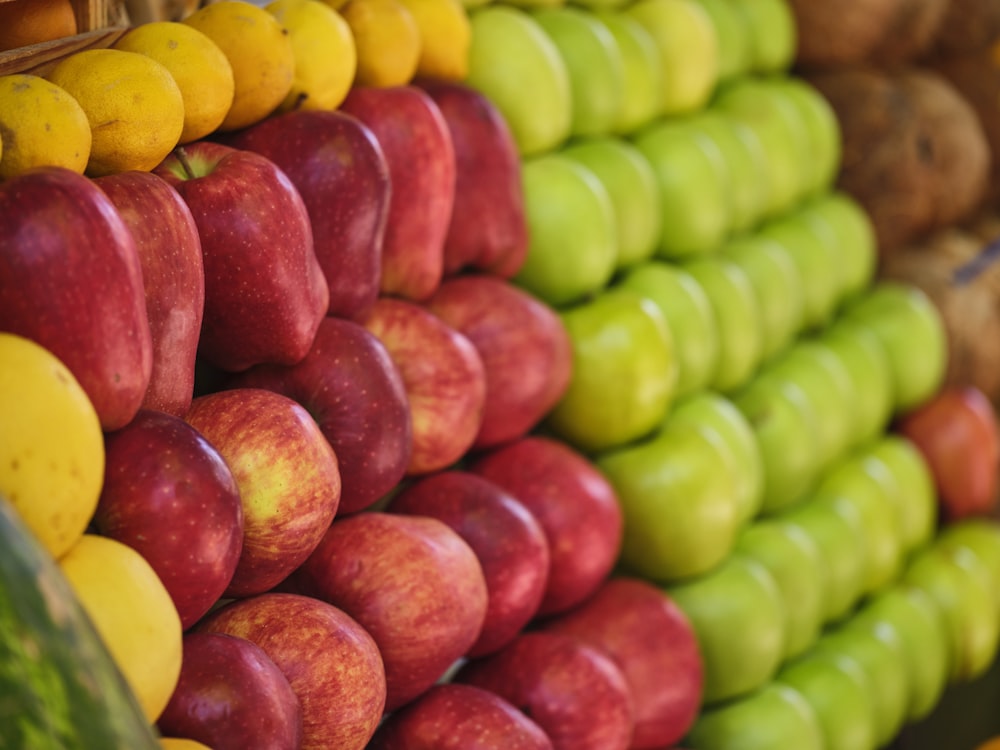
533 387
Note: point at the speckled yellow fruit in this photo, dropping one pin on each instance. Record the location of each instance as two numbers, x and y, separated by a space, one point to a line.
132 612
325 56
199 67
134 107
176 743
445 36
387 39
41 125
259 50
51 444
991 744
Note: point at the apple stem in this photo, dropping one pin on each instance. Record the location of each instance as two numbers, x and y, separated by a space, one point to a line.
181 155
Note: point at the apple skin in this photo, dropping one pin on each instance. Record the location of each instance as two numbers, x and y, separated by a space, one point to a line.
354 391
524 347
418 149
917 500
173 278
330 661
647 636
444 378
507 539
642 88
488 230
246 209
572 691
412 582
286 473
230 695
341 173
459 717
957 432
86 304
575 505
169 495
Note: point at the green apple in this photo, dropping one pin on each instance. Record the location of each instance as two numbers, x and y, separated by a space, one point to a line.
855 239
793 559
912 331
772 31
731 31
624 372
775 717
822 129
631 183
594 63
694 187
737 613
676 495
689 316
689 51
737 315
981 536
573 239
515 63
917 501
642 88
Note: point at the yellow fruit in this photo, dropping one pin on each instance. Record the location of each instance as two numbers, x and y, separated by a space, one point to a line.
445 36
51 444
176 743
387 39
24 22
325 57
259 50
134 107
41 125
132 612
199 67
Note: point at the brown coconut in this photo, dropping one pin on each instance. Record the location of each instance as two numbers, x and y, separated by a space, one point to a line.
833 35
968 27
910 32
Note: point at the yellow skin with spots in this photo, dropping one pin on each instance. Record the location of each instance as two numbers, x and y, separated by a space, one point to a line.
177 743
51 444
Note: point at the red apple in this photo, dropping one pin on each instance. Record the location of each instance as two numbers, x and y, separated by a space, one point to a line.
507 539
653 643
342 175
444 377
488 229
459 717
957 432
173 278
265 293
169 495
572 691
230 696
417 145
286 473
524 346
70 280
411 582
330 661
575 505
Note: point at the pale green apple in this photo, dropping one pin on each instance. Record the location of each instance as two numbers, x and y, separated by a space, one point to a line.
732 32
917 501
594 63
642 88
573 239
822 130
855 240
772 31
624 372
981 536
689 316
515 63
631 184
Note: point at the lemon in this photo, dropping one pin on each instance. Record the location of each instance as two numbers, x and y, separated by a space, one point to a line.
198 66
325 57
445 36
259 50
51 444
42 125
132 612
387 39
177 743
134 107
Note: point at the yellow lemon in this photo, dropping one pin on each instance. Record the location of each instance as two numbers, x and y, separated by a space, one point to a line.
132 612
42 125
325 57
445 36
51 444
387 39
199 67
259 50
134 107
177 743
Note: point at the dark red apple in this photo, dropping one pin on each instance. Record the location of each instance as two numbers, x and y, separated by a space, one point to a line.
230 695
265 292
70 280
507 539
